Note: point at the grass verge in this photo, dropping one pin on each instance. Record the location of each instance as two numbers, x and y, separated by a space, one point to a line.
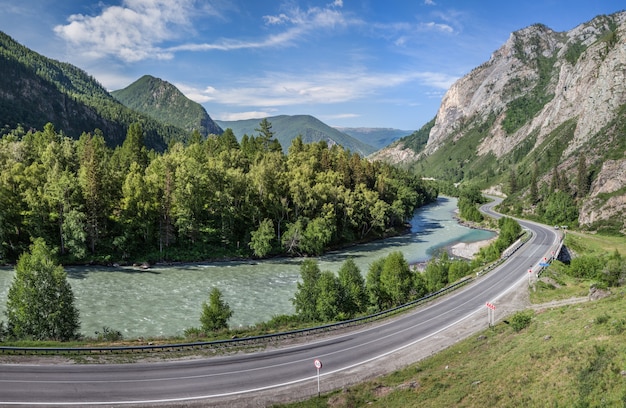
572 356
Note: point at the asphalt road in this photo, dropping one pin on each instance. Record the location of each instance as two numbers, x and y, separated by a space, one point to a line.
288 371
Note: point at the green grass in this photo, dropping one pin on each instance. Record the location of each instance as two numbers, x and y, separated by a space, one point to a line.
571 356
595 244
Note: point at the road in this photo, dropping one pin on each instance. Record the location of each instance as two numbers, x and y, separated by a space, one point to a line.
262 378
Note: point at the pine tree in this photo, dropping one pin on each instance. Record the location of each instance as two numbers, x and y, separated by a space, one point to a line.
582 188
534 193
216 313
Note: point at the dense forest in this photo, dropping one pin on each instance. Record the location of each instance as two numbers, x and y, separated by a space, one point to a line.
208 198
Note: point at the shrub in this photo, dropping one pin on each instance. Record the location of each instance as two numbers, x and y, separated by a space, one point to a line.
108 334
521 320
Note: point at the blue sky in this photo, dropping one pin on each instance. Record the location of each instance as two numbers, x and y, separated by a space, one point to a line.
367 63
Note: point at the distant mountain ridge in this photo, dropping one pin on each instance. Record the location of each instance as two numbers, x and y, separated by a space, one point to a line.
35 90
164 102
288 127
376 137
546 113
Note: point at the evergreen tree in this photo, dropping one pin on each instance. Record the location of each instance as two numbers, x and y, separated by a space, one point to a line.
40 302
216 313
583 184
133 149
512 182
533 192
555 182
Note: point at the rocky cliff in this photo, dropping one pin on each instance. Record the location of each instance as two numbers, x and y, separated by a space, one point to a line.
543 93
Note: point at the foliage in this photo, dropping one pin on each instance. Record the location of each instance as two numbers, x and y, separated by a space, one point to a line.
329 296
417 140
560 209
109 334
396 279
64 94
522 109
261 239
310 129
149 94
510 230
436 272
574 52
458 161
354 294
322 296
307 291
216 313
40 302
521 320
210 198
469 197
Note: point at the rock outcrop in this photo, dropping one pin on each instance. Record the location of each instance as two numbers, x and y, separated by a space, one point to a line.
539 83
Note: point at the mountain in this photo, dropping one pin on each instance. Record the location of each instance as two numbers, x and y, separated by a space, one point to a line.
547 110
376 137
164 102
35 90
286 128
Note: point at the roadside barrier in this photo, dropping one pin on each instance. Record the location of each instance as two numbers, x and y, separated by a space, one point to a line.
229 343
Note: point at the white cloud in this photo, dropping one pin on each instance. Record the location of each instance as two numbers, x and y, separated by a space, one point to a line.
242 115
437 27
430 3
298 23
137 29
278 89
132 31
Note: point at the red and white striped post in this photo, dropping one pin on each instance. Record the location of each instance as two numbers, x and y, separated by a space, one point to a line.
491 311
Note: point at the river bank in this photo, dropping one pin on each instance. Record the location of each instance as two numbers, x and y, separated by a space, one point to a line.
467 250
165 300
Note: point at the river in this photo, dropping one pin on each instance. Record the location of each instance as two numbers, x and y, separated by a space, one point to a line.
163 301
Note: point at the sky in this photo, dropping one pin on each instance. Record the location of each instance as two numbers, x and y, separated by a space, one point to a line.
368 63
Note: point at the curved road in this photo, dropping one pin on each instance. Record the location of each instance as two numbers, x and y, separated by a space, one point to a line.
286 371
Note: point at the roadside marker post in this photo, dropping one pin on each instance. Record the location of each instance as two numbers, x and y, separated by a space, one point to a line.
318 365
491 311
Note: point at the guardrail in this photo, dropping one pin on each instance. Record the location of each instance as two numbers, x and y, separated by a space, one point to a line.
235 342
255 340
554 255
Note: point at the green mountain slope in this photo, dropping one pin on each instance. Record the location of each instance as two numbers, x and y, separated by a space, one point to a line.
164 102
377 137
286 128
36 90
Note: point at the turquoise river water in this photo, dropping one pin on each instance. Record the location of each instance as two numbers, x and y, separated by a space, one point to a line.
166 300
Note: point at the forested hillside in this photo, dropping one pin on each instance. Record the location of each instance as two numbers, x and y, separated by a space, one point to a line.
376 137
311 129
207 199
162 101
35 90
